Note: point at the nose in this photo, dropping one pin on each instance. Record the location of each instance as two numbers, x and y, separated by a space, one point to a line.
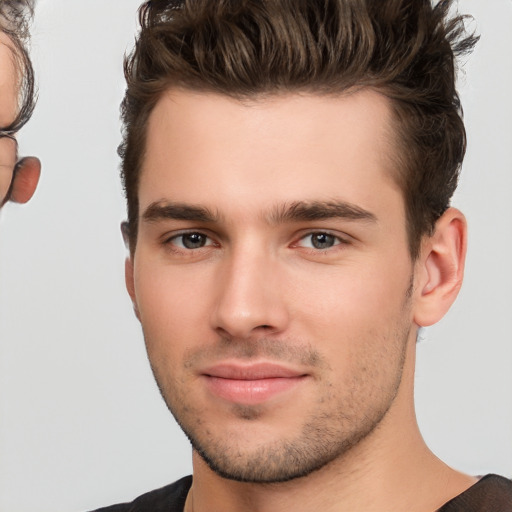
251 299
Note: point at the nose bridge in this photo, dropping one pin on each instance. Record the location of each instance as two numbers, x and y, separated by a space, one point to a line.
249 296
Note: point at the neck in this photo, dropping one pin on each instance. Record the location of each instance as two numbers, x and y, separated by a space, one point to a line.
394 485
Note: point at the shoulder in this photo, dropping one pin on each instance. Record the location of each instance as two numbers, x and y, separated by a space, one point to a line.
492 493
170 498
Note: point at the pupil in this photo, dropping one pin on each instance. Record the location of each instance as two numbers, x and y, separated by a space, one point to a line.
322 240
193 240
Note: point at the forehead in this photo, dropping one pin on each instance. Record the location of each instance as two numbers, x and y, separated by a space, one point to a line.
8 81
285 148
8 111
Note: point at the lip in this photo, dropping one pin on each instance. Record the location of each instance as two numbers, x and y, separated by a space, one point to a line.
251 384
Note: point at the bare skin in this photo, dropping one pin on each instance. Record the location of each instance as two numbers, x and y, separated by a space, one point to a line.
8 108
272 241
20 181
400 474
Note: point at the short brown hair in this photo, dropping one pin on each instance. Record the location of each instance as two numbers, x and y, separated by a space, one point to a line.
406 49
15 16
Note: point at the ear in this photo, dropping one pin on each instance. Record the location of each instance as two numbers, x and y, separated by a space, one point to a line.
130 284
440 268
128 271
25 179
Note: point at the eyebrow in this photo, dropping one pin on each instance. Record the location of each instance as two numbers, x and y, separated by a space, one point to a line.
292 212
161 210
319 210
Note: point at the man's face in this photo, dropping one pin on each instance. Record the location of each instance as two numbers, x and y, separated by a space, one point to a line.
19 181
272 276
8 110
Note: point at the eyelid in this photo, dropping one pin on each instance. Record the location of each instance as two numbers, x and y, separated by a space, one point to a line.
168 238
169 235
341 239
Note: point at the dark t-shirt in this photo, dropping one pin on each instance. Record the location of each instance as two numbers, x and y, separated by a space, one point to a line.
491 493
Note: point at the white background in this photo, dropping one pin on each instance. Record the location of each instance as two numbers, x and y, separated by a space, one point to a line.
81 422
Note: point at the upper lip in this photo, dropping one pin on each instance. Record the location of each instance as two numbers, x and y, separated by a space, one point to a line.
253 371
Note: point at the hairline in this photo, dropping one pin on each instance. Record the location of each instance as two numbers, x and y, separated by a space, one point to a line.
394 161
17 39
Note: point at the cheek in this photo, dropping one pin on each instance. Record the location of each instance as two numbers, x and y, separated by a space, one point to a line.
357 316
170 302
344 296
7 163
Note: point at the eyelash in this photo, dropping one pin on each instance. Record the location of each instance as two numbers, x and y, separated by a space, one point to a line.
183 249
336 240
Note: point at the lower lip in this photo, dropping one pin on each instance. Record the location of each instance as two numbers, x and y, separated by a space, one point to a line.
251 392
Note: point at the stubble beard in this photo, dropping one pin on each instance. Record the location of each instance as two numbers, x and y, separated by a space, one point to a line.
328 434
316 447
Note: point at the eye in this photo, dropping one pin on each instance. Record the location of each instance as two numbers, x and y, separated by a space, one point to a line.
319 240
190 240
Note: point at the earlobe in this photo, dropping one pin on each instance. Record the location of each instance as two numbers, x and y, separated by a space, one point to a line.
128 269
440 268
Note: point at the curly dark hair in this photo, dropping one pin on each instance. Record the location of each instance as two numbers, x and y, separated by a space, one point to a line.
405 49
15 16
